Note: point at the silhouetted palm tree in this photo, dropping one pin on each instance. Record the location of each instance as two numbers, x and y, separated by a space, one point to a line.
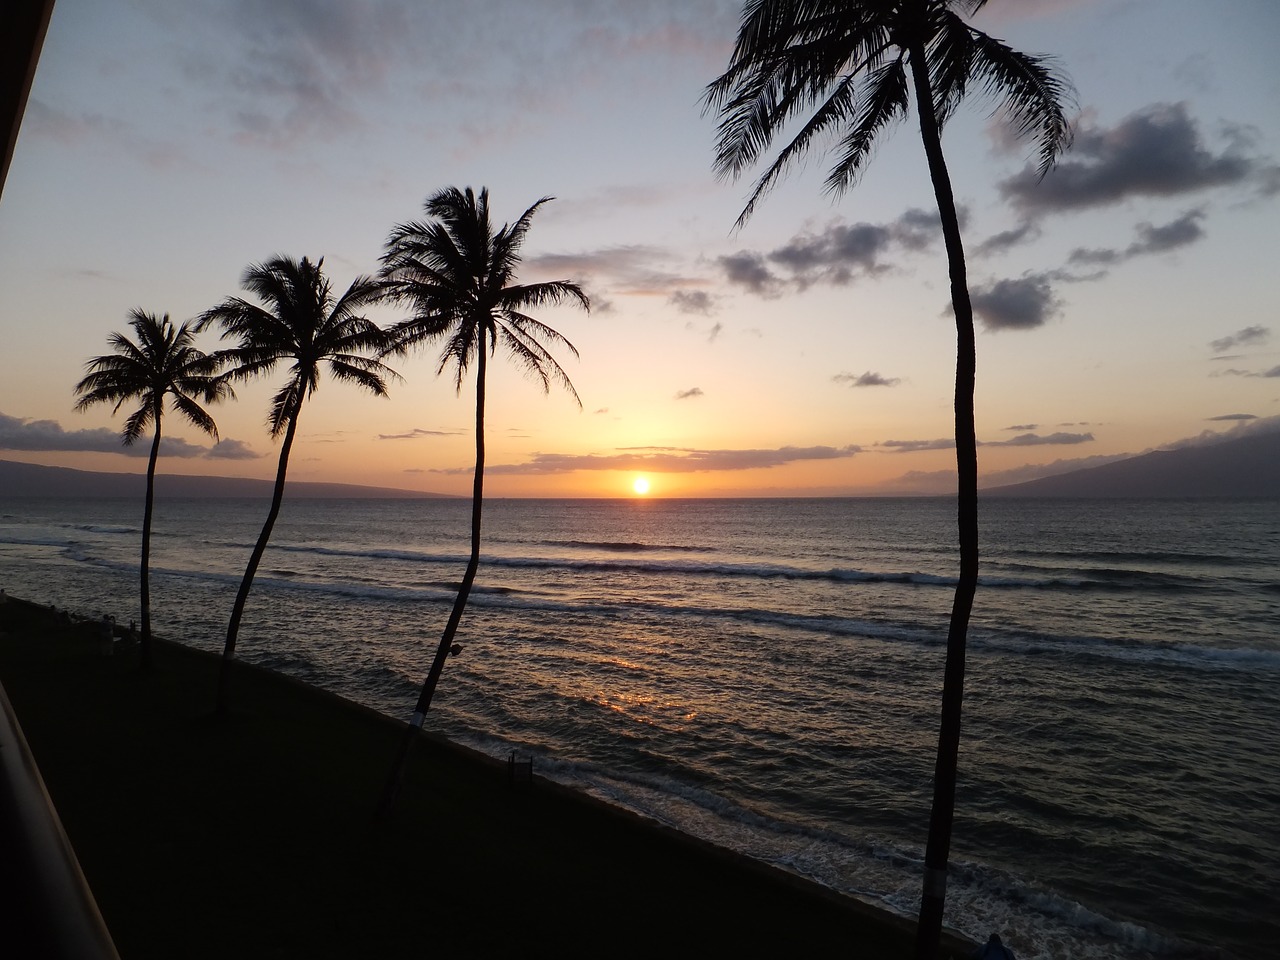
858 65
162 361
459 277
299 322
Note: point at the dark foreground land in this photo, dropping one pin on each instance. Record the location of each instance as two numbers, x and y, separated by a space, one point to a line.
254 836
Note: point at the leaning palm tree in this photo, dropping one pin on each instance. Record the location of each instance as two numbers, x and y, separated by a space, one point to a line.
300 322
458 276
163 361
858 65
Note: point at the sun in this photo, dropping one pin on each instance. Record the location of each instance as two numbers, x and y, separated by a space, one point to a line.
640 485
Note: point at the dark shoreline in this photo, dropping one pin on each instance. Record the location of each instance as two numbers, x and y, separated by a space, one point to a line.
280 797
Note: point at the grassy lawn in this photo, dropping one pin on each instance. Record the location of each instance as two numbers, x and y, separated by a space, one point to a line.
253 836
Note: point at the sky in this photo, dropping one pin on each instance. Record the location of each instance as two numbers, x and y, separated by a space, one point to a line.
1126 302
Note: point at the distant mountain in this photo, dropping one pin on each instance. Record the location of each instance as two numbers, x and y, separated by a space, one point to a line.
1247 466
34 480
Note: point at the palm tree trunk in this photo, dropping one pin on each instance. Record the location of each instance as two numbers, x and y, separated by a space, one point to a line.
929 929
144 652
414 727
259 548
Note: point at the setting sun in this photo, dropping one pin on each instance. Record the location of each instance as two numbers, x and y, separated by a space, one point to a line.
640 485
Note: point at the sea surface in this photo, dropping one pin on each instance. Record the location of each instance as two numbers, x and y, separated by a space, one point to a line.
767 674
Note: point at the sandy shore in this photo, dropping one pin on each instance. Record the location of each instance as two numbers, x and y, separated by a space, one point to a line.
254 836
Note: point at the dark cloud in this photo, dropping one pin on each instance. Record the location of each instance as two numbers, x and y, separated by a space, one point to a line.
1035 440
1022 304
1023 426
868 379
1151 240
749 270
692 301
21 434
687 394
1156 152
1007 239
232 450
1237 372
667 460
837 255
417 432
1234 416
1248 336
714 332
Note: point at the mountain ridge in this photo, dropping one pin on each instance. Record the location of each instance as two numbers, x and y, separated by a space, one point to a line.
27 480
1246 466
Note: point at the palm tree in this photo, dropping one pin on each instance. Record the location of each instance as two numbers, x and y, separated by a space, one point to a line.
300 321
162 361
858 64
458 275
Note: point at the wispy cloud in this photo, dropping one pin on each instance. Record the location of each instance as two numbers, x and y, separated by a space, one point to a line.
1022 440
1233 416
692 301
667 460
689 394
418 432
1246 337
868 379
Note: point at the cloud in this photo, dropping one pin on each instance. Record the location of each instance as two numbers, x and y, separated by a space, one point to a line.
229 449
838 254
1151 240
635 269
417 432
1007 239
1248 336
1022 304
1036 440
667 460
868 379
1237 372
749 270
692 301
1155 152
1023 426
1022 440
1234 416
688 394
714 332
915 446
601 410
23 434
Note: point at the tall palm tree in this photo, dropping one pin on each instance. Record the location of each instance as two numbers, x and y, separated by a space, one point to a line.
458 276
300 322
162 361
858 65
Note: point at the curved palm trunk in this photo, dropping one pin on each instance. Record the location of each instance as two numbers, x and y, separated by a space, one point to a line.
933 898
145 567
414 727
259 548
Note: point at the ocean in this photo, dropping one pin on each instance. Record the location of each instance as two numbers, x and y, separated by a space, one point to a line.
766 674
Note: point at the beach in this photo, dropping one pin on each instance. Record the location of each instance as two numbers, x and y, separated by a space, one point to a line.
255 836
